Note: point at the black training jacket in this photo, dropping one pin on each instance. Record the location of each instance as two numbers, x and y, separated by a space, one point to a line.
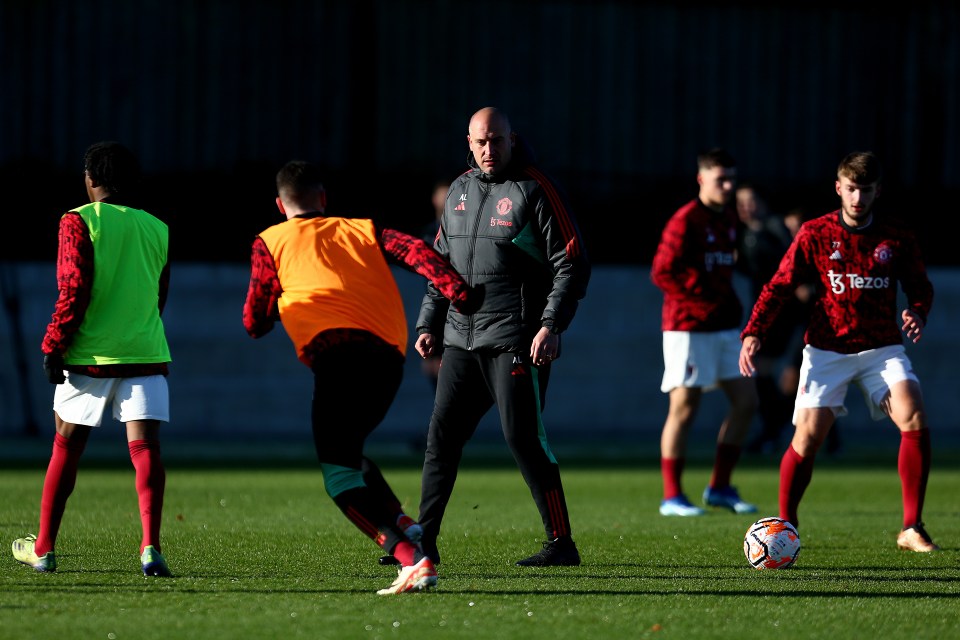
514 237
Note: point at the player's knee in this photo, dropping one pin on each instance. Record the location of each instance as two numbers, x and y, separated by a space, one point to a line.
915 420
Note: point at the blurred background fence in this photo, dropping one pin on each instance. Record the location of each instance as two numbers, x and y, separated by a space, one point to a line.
615 96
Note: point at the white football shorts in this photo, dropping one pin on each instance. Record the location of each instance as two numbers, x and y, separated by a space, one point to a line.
83 400
699 359
825 377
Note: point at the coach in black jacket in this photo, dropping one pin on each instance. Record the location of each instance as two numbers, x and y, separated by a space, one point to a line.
509 232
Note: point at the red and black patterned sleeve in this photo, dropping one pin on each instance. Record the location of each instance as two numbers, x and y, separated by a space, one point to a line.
260 311
914 279
671 270
74 283
693 267
857 275
414 254
793 271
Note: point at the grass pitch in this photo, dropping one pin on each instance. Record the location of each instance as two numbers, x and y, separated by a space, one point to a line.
262 552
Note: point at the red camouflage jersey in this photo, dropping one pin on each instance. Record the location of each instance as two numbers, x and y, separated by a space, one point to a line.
261 312
856 272
75 281
693 266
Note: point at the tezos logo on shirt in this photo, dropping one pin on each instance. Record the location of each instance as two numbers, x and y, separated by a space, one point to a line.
855 281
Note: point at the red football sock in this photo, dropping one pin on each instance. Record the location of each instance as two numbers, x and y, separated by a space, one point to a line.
151 481
913 465
374 519
725 459
795 474
58 484
671 469
404 552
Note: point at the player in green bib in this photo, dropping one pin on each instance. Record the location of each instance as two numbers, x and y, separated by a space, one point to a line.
105 348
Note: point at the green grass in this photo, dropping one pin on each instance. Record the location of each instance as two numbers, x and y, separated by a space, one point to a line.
263 553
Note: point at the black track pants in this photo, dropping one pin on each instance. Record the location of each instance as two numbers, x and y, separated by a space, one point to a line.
469 384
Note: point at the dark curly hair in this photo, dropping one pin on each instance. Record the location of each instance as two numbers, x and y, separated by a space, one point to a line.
113 166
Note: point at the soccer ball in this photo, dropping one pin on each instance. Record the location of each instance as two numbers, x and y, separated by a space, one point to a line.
771 543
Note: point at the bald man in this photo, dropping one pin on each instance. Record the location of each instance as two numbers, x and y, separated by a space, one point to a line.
508 231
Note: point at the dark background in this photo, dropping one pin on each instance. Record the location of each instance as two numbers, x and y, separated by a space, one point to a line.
615 97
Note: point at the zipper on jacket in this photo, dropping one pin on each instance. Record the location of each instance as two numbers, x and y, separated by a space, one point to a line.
485 188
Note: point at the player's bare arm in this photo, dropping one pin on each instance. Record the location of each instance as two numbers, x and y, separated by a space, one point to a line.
912 325
750 346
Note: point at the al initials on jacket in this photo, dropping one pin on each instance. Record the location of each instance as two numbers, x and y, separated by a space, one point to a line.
495 211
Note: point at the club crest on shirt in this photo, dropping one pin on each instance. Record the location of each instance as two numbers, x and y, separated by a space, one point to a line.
883 253
504 206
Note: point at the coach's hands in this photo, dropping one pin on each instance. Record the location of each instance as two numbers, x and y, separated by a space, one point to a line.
545 347
426 343
53 368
